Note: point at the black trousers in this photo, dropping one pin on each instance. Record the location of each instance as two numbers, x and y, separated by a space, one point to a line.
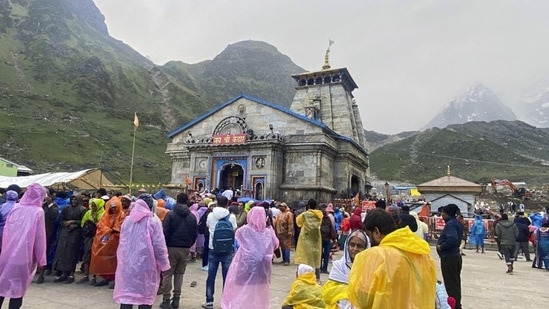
524 246
451 273
15 303
126 306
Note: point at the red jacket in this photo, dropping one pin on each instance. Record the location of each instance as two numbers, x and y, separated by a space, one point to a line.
356 219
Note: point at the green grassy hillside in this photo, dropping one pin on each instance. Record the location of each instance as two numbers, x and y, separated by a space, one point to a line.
68 91
476 151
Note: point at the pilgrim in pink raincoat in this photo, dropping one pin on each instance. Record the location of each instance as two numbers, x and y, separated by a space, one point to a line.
24 243
249 276
142 255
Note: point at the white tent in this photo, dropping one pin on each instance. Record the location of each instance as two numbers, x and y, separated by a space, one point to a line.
84 180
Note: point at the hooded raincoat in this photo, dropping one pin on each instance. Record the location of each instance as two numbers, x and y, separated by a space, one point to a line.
335 291
88 217
24 245
478 232
5 209
142 256
249 276
107 237
305 293
399 273
356 219
89 226
309 244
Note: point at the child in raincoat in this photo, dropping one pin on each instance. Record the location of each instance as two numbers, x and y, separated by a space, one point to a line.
142 255
305 293
249 276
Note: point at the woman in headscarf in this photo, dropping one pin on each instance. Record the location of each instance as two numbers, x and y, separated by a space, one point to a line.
478 232
142 256
89 228
105 242
335 290
249 276
5 209
24 246
305 292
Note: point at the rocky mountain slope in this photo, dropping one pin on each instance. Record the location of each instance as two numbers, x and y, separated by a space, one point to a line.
476 151
68 91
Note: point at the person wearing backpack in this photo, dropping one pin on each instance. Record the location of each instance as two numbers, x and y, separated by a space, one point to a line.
221 225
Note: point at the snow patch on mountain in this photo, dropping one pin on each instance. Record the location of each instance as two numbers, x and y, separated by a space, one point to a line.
478 103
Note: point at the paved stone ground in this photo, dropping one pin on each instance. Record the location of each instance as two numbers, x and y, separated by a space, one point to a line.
484 285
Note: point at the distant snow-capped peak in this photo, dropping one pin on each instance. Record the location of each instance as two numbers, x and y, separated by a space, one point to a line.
478 103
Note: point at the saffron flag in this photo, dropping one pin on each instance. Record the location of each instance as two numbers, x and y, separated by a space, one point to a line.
135 120
330 42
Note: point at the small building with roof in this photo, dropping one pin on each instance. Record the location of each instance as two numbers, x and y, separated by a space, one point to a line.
451 190
314 149
11 169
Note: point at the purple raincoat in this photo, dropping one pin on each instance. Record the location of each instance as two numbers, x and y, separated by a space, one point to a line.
249 276
142 254
24 243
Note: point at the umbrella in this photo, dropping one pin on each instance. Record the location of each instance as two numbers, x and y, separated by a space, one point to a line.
244 199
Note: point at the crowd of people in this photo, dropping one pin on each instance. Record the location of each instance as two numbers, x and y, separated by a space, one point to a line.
141 249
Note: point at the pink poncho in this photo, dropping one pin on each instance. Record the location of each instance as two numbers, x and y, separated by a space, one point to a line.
142 255
249 276
24 243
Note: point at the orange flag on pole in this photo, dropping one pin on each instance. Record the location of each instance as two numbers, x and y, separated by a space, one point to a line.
135 120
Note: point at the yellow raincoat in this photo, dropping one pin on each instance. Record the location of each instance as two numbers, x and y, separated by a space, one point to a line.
309 244
334 291
305 293
399 273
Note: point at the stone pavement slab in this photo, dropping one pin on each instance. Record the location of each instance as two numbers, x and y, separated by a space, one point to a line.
485 285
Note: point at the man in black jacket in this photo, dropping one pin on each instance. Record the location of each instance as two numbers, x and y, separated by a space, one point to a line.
180 232
448 251
524 233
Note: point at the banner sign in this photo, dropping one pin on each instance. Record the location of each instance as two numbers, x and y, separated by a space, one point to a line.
229 139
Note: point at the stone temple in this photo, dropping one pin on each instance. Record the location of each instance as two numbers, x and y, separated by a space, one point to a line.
315 149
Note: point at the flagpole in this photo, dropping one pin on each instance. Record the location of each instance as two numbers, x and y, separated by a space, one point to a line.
133 153
135 125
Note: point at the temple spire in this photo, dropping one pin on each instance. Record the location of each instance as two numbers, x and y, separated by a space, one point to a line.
448 173
326 65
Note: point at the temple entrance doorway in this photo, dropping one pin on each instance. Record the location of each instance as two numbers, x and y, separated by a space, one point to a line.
231 176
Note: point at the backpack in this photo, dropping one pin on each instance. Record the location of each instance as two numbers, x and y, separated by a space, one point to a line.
326 228
202 228
223 236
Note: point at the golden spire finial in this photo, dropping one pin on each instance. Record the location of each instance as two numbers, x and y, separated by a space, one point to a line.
448 170
326 65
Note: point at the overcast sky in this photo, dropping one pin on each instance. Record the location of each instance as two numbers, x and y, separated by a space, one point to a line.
409 58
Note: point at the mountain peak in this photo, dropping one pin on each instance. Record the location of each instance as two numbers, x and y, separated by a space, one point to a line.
478 103
534 103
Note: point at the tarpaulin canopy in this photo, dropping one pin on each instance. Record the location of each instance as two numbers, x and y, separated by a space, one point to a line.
84 180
